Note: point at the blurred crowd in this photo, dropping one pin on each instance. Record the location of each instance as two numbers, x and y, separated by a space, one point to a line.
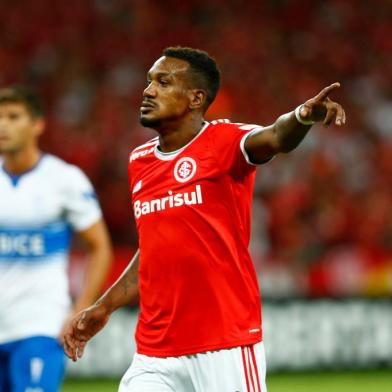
323 214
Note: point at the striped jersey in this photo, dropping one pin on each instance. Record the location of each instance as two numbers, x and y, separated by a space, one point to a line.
38 211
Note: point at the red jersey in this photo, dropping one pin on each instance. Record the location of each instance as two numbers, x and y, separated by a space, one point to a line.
198 287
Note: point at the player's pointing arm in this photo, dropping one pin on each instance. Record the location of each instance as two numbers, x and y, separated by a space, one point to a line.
290 128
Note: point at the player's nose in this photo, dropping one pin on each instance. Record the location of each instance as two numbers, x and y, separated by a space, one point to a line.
3 125
150 91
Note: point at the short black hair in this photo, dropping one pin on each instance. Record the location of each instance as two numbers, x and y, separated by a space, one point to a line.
24 95
202 66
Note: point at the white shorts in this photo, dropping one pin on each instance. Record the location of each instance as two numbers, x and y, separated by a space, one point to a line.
239 369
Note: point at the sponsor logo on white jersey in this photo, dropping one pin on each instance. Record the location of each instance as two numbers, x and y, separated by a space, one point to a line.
137 187
184 169
22 244
172 200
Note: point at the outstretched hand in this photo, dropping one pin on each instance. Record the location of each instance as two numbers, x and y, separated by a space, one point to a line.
322 108
82 328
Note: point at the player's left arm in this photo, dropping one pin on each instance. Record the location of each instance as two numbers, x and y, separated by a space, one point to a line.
99 252
289 129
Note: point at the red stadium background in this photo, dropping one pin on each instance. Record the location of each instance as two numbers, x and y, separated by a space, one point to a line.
322 221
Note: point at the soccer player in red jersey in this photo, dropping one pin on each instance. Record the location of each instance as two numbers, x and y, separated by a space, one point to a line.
199 326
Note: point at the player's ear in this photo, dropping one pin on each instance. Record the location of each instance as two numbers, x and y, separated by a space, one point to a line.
39 126
197 99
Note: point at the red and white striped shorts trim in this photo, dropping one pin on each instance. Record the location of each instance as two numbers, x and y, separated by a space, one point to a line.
251 370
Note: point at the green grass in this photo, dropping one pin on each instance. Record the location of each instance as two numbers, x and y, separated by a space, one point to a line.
93 385
365 381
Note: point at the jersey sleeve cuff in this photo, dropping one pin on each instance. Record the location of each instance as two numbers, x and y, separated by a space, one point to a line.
87 221
245 154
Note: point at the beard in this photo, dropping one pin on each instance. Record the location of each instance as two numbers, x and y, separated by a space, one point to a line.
150 122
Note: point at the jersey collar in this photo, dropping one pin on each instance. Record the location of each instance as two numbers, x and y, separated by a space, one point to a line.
15 178
168 156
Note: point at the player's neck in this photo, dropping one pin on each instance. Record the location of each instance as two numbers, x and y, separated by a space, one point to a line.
21 161
175 136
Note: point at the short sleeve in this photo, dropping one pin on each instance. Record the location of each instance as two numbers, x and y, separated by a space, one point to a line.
229 140
81 204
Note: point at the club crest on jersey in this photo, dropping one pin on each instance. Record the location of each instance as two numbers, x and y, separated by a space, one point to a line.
184 169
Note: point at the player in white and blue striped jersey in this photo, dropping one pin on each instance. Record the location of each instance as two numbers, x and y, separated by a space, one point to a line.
42 201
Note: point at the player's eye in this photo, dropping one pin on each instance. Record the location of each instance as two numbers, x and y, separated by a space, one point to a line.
163 83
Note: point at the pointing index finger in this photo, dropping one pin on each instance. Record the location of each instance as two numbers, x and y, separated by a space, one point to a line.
326 91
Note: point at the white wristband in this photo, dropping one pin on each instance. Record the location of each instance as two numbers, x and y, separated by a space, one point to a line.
300 119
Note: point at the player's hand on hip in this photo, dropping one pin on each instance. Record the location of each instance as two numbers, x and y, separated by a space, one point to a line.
82 328
322 108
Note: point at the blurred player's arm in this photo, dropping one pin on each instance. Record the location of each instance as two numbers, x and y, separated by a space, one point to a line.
287 132
90 321
97 239
99 251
